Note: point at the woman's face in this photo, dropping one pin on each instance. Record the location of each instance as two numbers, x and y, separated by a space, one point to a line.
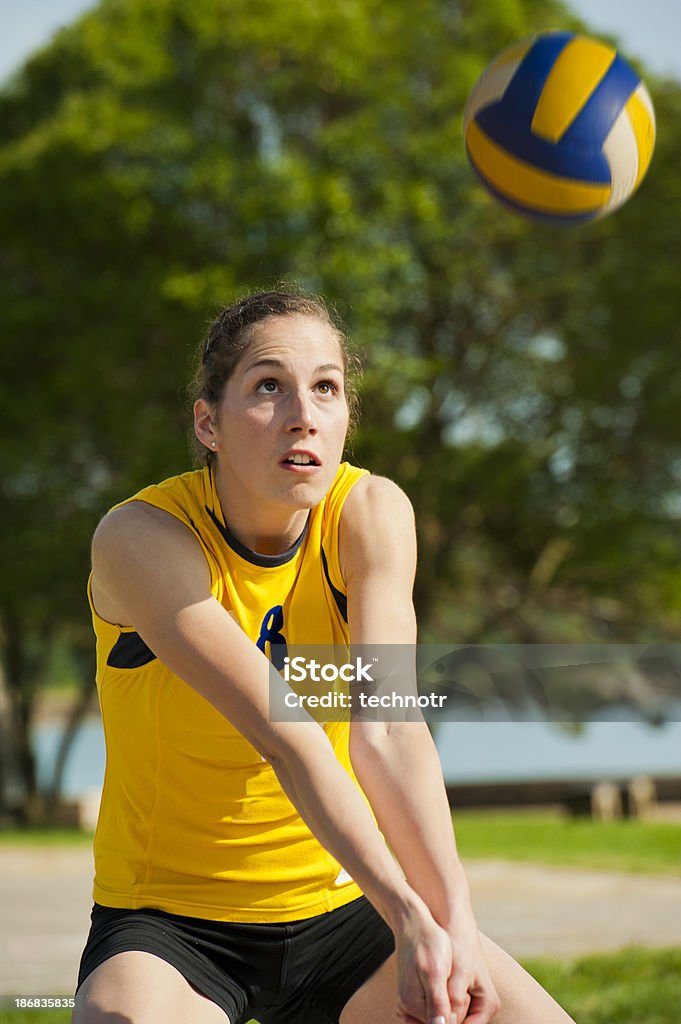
280 427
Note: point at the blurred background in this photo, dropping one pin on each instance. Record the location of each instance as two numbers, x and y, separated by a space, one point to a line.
522 384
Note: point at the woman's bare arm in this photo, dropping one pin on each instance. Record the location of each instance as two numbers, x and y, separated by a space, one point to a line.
151 570
396 762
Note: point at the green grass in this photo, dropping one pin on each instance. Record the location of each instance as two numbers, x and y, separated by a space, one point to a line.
548 838
543 837
35 1016
634 986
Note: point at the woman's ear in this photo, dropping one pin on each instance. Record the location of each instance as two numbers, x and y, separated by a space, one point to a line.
204 425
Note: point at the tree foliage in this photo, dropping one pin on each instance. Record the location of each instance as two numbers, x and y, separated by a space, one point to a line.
162 156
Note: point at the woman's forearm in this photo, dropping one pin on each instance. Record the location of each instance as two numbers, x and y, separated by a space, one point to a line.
399 770
331 805
328 799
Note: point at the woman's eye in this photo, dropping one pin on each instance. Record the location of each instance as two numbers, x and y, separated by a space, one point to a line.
328 387
267 387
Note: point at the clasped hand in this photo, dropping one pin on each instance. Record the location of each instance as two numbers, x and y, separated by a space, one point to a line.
442 977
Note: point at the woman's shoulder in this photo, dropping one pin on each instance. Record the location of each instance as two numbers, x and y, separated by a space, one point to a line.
138 548
137 524
376 521
154 506
175 492
158 513
376 497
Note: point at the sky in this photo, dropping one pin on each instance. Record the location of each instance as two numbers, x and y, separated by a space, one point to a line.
649 30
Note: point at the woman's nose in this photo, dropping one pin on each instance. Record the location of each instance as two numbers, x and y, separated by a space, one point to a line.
301 412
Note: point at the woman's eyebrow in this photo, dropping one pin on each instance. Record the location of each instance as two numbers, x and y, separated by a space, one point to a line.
278 364
263 362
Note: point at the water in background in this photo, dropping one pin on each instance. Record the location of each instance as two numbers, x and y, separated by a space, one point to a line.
84 770
469 751
530 751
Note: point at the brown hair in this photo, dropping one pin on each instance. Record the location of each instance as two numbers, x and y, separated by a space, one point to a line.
231 332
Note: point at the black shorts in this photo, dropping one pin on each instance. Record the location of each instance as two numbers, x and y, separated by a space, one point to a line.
289 973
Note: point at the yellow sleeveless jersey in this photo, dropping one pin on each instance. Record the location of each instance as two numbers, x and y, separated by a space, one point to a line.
192 820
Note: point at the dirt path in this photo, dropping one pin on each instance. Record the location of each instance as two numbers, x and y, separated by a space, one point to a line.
528 909
533 910
45 898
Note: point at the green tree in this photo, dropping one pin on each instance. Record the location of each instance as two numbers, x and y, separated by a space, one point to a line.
160 156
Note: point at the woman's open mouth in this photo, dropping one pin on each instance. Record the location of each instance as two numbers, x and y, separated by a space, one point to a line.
300 461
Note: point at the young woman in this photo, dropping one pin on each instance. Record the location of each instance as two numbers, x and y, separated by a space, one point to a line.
240 870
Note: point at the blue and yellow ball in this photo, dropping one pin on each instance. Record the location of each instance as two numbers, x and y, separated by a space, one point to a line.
560 128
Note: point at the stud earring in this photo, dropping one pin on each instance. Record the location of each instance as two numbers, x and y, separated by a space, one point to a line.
213 444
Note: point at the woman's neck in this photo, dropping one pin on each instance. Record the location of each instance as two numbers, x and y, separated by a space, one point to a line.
264 530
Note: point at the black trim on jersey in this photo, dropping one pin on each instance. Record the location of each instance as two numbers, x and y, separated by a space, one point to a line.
339 597
130 651
265 561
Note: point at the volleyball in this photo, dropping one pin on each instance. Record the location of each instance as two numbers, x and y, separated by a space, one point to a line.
560 128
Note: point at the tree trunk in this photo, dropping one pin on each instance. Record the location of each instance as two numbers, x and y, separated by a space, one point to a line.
20 689
6 754
20 681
